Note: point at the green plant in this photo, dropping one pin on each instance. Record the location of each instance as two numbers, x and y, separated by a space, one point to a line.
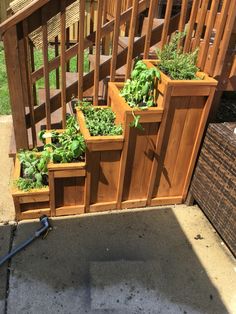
100 121
34 171
175 63
138 91
69 145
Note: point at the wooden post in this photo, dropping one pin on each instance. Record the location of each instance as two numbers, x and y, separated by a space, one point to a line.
166 23
81 51
115 40
219 33
131 38
57 69
191 23
152 8
46 68
29 85
63 63
97 53
15 87
209 28
200 25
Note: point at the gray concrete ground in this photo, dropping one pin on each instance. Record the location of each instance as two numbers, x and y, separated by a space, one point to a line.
155 260
5 236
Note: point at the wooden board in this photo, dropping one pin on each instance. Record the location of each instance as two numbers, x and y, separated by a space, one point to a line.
103 160
30 204
187 108
139 148
67 187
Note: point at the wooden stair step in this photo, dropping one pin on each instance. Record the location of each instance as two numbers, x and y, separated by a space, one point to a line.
103 59
156 23
72 77
124 41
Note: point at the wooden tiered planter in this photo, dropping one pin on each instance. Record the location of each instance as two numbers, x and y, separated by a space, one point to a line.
30 204
186 106
103 163
67 187
139 149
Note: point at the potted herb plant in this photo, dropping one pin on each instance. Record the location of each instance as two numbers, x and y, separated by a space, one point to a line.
30 189
186 96
104 144
67 169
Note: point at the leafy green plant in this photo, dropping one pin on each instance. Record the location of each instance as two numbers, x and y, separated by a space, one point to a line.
34 171
68 146
175 63
138 91
100 121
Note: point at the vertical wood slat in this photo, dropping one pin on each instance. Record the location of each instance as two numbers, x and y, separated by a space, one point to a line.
209 28
219 32
91 19
191 23
226 38
105 39
203 12
115 40
183 13
166 23
27 59
57 69
131 38
32 70
182 20
97 53
152 8
63 62
46 69
81 50
67 47
127 24
15 87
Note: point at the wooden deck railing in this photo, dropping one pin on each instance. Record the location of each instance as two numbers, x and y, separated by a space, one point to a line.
210 26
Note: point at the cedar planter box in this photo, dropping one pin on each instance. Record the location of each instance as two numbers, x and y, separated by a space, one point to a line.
139 153
30 204
186 106
67 187
103 163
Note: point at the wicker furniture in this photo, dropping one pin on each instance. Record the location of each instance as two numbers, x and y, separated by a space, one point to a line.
214 181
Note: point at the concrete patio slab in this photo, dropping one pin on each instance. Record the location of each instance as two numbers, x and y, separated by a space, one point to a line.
171 258
5 236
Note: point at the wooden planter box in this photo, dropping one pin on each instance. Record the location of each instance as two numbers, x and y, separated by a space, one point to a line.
31 204
103 162
139 153
67 187
186 106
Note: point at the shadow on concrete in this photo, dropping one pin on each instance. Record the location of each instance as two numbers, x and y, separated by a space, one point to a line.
53 276
5 237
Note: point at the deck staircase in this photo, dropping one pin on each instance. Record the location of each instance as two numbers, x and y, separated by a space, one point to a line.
218 57
72 80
